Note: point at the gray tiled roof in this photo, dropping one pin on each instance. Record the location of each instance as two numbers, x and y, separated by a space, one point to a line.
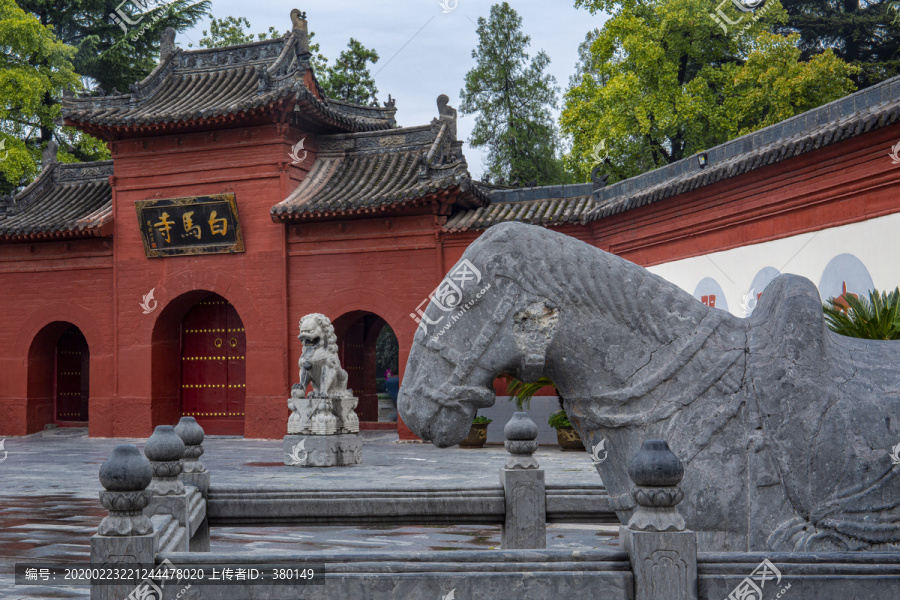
217 82
548 206
369 172
856 114
875 107
66 200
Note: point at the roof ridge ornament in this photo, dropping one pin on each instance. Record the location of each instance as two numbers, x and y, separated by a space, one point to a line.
7 205
48 156
167 44
446 113
299 24
263 80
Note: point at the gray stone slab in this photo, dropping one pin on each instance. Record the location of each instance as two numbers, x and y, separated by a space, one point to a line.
340 450
484 575
525 525
664 563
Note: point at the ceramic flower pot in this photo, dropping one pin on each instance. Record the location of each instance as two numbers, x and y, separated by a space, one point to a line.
569 439
477 436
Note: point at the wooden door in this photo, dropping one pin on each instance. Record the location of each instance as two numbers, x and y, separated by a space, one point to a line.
356 350
72 376
213 374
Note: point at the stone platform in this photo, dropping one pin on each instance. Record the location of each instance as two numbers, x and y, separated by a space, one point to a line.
340 450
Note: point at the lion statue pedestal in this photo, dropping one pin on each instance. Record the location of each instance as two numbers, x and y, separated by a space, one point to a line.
323 429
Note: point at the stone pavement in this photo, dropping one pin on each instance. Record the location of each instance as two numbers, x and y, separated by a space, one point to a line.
49 504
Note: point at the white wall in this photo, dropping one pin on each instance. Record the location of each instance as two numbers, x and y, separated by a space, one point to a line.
503 409
874 243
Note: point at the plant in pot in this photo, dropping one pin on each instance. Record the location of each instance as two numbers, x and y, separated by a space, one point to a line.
566 435
477 434
522 393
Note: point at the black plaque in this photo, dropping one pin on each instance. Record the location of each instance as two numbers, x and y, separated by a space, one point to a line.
190 226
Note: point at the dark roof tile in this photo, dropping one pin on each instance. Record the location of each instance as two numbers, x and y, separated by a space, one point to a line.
208 83
66 200
872 108
372 171
552 206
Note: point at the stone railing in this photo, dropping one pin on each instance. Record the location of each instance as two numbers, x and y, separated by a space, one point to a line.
156 504
158 516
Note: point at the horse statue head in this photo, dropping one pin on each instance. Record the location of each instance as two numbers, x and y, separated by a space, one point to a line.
636 358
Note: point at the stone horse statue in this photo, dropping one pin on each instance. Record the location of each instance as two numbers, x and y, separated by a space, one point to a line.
785 428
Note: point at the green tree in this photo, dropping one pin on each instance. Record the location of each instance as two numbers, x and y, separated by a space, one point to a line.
232 31
512 96
35 68
349 78
668 81
877 318
114 54
864 33
102 52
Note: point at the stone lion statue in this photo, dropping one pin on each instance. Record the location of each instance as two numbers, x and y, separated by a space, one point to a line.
319 362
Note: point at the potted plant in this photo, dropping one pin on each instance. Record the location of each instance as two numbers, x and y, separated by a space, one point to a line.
477 434
566 435
523 392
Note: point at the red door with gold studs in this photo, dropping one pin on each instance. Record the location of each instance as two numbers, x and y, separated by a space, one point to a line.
72 378
213 374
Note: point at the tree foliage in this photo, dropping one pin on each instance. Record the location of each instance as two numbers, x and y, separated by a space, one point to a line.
35 69
864 33
110 54
665 80
512 96
349 78
875 318
51 48
231 31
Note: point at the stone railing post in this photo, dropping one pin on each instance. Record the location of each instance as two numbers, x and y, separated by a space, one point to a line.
663 553
164 449
125 536
194 473
522 479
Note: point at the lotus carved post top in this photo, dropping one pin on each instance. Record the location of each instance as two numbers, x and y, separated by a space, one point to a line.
324 422
784 428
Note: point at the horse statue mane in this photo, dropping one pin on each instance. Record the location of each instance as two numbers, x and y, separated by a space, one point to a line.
784 427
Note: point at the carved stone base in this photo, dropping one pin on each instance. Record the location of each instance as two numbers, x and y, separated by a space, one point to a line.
664 563
322 450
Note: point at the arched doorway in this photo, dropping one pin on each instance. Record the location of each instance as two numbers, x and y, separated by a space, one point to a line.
58 377
358 333
73 361
213 366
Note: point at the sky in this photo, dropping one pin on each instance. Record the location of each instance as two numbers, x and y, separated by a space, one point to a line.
424 51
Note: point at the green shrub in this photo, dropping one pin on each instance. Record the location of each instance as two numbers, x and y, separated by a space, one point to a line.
480 419
877 318
522 392
558 420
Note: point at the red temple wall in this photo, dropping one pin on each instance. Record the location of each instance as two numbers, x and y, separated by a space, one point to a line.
845 183
385 265
253 164
47 287
382 265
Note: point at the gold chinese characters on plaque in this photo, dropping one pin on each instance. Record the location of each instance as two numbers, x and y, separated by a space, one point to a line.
190 226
